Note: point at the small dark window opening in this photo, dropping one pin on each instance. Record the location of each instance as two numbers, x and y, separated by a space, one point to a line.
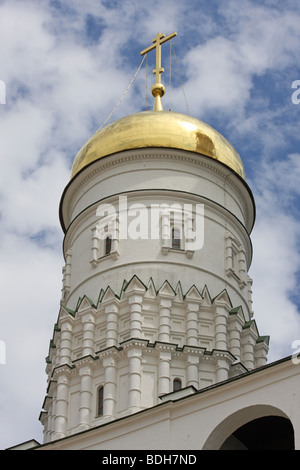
175 238
100 396
176 385
108 243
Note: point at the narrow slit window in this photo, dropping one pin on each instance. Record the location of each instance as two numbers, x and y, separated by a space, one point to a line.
108 243
177 385
175 238
100 396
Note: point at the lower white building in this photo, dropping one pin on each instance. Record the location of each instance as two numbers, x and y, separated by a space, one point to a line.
257 410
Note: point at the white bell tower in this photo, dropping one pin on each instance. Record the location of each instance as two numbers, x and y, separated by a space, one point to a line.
156 295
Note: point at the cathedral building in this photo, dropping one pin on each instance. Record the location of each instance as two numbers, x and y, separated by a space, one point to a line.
156 345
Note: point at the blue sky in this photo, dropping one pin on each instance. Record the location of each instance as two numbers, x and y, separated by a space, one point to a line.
65 65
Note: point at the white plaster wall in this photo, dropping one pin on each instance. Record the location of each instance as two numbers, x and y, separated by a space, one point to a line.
158 169
144 257
202 420
157 176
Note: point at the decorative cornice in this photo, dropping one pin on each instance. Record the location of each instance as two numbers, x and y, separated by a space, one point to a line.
84 361
63 369
132 155
108 352
98 166
134 343
194 350
192 294
148 292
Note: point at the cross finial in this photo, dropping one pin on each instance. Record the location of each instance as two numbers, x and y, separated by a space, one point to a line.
158 89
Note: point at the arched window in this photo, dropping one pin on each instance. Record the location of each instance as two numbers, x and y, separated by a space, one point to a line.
176 385
108 242
175 238
100 396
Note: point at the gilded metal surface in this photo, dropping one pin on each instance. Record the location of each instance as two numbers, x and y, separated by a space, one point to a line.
158 89
158 129
157 42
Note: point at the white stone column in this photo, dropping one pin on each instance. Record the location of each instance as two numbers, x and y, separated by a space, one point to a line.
260 353
249 290
86 394
47 428
164 373
88 338
248 345
110 387
228 252
192 324
115 238
192 371
111 312
234 341
164 331
68 269
52 390
47 419
242 268
135 302
221 315
222 369
165 232
95 246
62 400
66 281
135 376
65 353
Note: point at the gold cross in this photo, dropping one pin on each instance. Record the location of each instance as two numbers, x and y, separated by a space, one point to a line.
157 42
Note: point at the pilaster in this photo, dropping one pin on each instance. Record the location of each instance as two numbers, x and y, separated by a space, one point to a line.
95 246
222 370
65 356
164 379
86 395
192 327
88 341
249 338
192 371
164 331
135 301
235 326
261 351
66 285
110 387
61 409
134 355
222 308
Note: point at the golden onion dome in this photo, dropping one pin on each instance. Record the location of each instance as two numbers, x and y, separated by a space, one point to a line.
164 129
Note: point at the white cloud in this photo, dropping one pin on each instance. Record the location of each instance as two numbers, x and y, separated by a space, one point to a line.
30 276
277 252
24 132
24 45
221 70
275 264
